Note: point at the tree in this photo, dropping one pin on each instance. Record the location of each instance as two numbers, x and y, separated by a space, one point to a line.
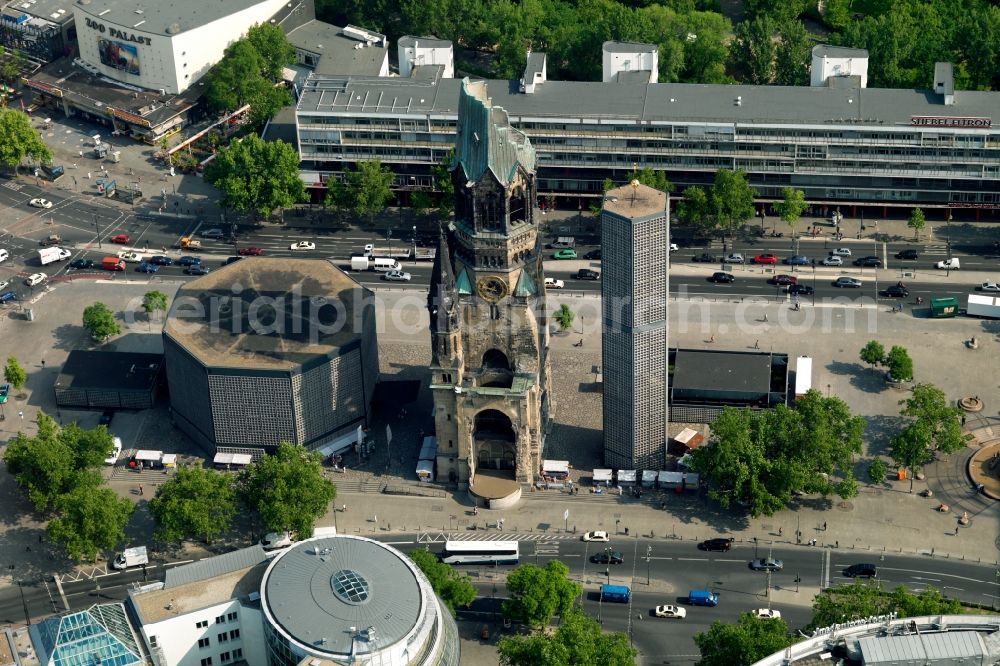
100 322
154 301
732 199
899 363
741 644
257 176
655 179
578 641
369 188
694 208
236 79
538 593
14 374
917 222
91 518
194 503
454 588
793 56
877 471
866 599
286 490
790 209
873 353
910 447
271 44
565 317
752 51
443 185
20 140
848 486
928 405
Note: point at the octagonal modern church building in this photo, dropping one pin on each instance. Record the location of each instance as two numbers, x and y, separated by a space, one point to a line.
267 350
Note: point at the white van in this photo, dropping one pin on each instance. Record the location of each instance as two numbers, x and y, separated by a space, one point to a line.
4 255
116 450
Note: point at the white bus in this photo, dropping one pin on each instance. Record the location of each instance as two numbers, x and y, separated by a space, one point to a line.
480 552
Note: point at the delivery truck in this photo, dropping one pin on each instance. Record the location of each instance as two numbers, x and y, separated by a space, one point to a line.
983 306
50 255
392 252
130 557
382 264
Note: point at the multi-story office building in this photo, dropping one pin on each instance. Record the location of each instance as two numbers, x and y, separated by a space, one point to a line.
841 143
634 287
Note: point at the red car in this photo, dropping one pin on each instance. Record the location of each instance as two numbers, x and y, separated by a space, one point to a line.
765 259
784 279
121 239
251 251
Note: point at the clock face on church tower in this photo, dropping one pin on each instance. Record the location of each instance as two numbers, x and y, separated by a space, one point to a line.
491 289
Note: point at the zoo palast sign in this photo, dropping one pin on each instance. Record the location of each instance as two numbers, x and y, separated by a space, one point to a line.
118 34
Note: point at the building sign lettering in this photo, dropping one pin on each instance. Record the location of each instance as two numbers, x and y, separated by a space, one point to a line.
969 122
118 34
130 117
860 622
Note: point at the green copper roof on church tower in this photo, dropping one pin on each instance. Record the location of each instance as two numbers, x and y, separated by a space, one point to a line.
525 286
485 140
464 284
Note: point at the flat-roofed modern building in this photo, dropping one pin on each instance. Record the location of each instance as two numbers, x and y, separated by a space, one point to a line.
634 288
841 143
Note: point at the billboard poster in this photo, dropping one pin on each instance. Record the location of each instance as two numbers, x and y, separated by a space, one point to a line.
124 57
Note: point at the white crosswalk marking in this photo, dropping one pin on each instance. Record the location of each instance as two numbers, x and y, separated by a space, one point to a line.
13 186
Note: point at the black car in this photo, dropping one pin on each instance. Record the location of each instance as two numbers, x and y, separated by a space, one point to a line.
81 263
861 571
614 557
231 260
161 260
872 262
716 544
106 417
587 274
801 290
197 269
704 258
907 254
593 254
895 291
722 278
189 261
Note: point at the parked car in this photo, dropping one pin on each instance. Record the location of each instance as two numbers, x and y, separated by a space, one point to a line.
397 276
845 282
613 557
720 277
302 245
552 283
147 267
251 251
40 203
121 239
908 255
189 261
784 279
841 251
81 264
593 254
895 291
587 274
115 452
989 286
718 543
197 269
212 233
673 247
801 290
734 258
670 611
106 416
764 259
704 258
872 262
566 253
231 260
833 261
796 260
861 571
161 260
596 536
767 614
275 540
767 564
4 284
7 297
35 279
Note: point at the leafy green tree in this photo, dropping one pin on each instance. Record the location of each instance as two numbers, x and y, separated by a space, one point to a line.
979 39
910 447
866 599
444 186
752 51
705 47
899 363
655 179
877 471
917 222
20 140
565 316
100 322
421 202
14 374
271 44
694 208
873 353
236 79
929 406
369 188
732 199
154 301
195 503
793 55
741 644
847 488
578 641
286 490
454 588
781 10
257 176
790 208
538 593
91 518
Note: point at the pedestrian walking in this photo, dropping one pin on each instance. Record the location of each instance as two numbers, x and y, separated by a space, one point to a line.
765 316
779 531
140 489
756 344
88 175
43 362
712 339
956 531
375 517
836 544
963 421
824 526
343 509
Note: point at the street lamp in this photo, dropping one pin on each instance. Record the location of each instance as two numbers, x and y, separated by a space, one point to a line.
649 557
97 228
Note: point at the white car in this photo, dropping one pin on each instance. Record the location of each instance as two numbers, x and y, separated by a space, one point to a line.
397 276
833 260
841 251
4 284
670 611
130 257
767 614
596 536
989 286
40 203
674 247
552 283
36 278
733 259
275 540
303 245
116 450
